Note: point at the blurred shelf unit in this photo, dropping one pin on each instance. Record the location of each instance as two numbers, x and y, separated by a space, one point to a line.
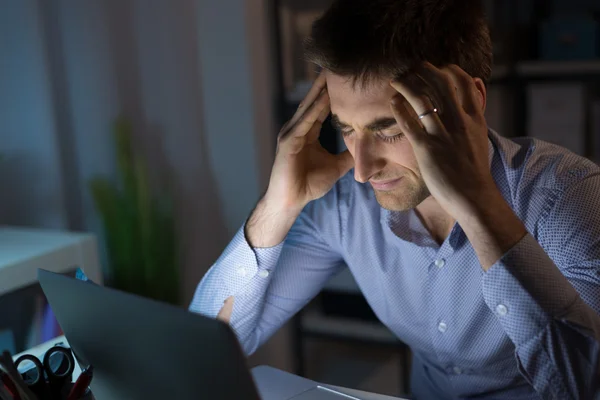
501 74
295 19
558 69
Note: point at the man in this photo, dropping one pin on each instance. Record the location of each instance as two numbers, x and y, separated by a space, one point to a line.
479 252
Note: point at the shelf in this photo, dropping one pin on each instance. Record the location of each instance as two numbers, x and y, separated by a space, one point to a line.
318 324
558 68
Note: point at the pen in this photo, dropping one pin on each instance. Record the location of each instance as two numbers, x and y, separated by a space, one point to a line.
81 384
9 386
7 363
5 394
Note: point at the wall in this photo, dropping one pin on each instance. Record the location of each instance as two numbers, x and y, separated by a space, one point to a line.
194 77
181 71
31 182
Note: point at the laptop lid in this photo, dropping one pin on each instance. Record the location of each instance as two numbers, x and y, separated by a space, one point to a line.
145 349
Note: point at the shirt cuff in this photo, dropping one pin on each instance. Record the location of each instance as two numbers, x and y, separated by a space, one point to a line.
240 263
526 290
238 270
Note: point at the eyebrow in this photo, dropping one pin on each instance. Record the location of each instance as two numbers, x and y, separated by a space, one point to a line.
377 125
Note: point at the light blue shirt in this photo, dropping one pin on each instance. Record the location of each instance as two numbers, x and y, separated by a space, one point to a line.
529 328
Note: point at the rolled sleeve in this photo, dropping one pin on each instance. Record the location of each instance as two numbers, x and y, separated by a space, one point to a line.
544 293
526 291
235 272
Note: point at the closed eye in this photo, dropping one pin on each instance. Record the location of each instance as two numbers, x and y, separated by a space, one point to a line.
378 127
380 135
390 138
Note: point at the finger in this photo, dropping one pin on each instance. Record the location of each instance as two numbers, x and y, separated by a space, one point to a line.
313 134
466 90
446 93
308 129
225 312
319 106
421 104
312 95
315 131
312 116
325 112
407 120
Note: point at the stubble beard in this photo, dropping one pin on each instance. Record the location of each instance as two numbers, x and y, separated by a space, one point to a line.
408 195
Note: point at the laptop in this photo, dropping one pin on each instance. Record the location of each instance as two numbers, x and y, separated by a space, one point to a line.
144 349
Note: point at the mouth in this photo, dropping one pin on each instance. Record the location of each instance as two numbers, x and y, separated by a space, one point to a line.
386 185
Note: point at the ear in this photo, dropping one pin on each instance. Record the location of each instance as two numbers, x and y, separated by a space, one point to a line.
481 93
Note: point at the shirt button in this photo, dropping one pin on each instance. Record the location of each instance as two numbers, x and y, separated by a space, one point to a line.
501 310
457 370
440 262
442 327
242 271
263 273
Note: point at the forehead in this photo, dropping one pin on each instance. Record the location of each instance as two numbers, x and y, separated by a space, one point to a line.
358 102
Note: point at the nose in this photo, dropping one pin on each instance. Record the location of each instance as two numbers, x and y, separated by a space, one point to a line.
367 162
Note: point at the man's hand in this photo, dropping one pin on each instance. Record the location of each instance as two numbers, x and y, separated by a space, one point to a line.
450 145
303 171
451 148
225 313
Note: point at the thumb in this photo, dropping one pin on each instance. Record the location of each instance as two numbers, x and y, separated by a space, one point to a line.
345 162
225 313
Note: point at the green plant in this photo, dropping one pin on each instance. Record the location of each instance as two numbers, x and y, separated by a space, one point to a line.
139 228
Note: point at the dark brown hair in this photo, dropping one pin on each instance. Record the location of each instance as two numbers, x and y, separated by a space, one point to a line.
369 39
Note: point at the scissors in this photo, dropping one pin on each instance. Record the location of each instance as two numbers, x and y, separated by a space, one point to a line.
47 378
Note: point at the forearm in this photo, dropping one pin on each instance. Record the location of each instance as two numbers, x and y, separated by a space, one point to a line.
240 277
258 289
270 223
267 227
491 227
556 334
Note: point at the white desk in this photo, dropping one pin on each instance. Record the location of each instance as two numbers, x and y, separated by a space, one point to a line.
274 384
41 349
24 250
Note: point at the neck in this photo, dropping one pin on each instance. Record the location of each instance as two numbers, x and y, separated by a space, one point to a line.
437 222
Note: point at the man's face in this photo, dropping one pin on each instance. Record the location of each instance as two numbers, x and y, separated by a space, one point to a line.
382 155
